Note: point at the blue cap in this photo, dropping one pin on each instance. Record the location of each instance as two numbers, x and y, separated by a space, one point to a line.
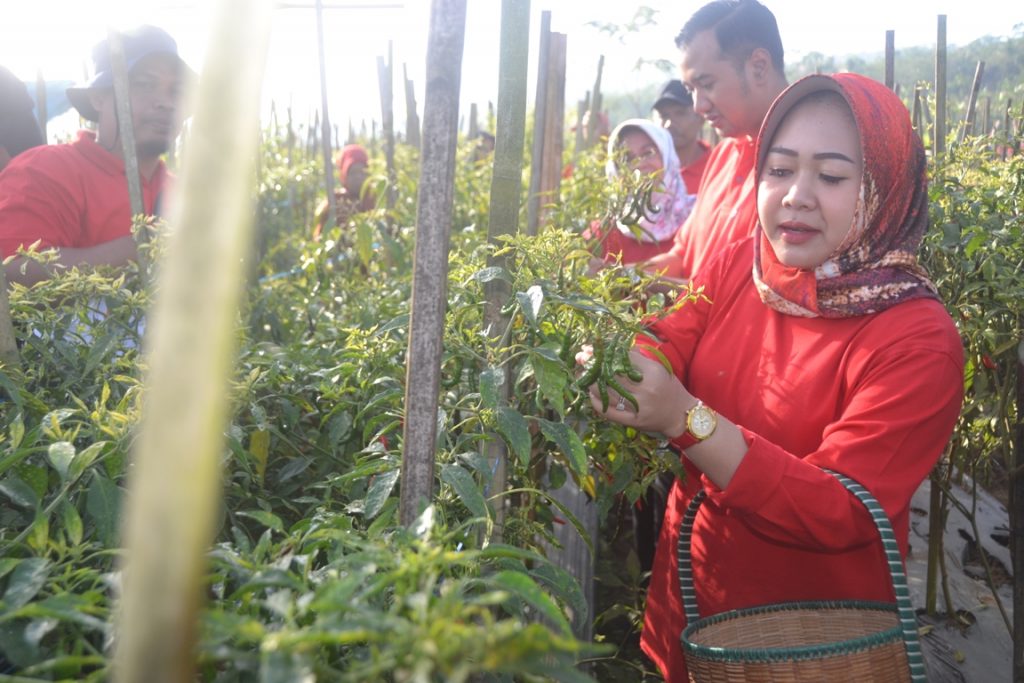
137 43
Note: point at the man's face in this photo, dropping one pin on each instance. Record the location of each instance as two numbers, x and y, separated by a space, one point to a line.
721 91
681 121
156 84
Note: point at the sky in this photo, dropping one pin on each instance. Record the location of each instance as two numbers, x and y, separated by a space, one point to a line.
55 37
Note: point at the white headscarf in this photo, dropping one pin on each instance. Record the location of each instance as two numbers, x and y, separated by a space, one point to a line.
670 200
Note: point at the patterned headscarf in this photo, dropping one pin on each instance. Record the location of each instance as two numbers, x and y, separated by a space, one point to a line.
670 200
876 265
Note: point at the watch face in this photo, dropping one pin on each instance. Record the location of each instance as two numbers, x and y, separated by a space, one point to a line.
701 422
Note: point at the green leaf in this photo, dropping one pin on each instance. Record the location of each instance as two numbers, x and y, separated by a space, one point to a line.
512 426
26 581
525 588
60 455
531 302
491 381
551 378
103 503
267 519
378 492
72 522
85 458
485 275
466 488
364 241
17 432
19 493
569 443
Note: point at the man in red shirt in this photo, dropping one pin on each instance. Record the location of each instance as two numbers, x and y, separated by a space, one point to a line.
73 198
733 66
674 112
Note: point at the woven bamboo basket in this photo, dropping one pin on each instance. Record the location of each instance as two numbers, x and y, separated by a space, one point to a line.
802 642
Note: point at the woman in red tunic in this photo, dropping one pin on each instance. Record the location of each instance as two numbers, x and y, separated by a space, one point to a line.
822 344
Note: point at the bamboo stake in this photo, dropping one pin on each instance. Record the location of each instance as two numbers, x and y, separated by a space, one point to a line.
539 115
939 140
968 127
126 130
890 58
596 102
325 133
412 118
385 77
1007 131
581 110
9 356
509 140
1016 508
474 127
915 116
174 484
430 268
41 106
551 160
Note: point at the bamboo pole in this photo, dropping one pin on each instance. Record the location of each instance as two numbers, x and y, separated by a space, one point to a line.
412 117
430 267
174 484
1016 513
596 102
474 127
126 130
968 127
9 356
581 110
890 59
939 141
1007 130
915 115
539 115
509 140
41 105
325 122
551 160
385 77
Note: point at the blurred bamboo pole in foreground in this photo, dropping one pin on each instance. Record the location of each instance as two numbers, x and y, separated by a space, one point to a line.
174 485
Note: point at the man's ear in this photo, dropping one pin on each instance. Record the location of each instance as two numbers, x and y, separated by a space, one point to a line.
759 65
100 98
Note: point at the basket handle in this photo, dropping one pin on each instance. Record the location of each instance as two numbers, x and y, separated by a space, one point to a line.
908 620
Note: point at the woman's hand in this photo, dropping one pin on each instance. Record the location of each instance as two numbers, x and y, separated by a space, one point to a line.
662 400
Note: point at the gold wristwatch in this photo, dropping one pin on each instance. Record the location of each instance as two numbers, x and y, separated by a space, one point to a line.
701 422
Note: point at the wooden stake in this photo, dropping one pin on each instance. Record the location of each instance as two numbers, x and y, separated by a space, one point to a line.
174 482
41 107
509 140
9 356
474 128
890 58
596 102
122 100
325 133
939 141
412 118
430 268
385 77
539 115
551 160
968 127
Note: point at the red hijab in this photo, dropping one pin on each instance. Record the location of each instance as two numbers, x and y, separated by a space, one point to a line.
876 266
350 154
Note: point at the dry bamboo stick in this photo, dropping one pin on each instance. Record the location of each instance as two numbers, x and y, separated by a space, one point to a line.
430 267
174 484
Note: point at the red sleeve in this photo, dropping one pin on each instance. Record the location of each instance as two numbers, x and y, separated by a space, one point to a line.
888 437
34 206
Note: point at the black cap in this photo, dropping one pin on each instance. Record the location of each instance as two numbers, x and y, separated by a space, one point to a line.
674 91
